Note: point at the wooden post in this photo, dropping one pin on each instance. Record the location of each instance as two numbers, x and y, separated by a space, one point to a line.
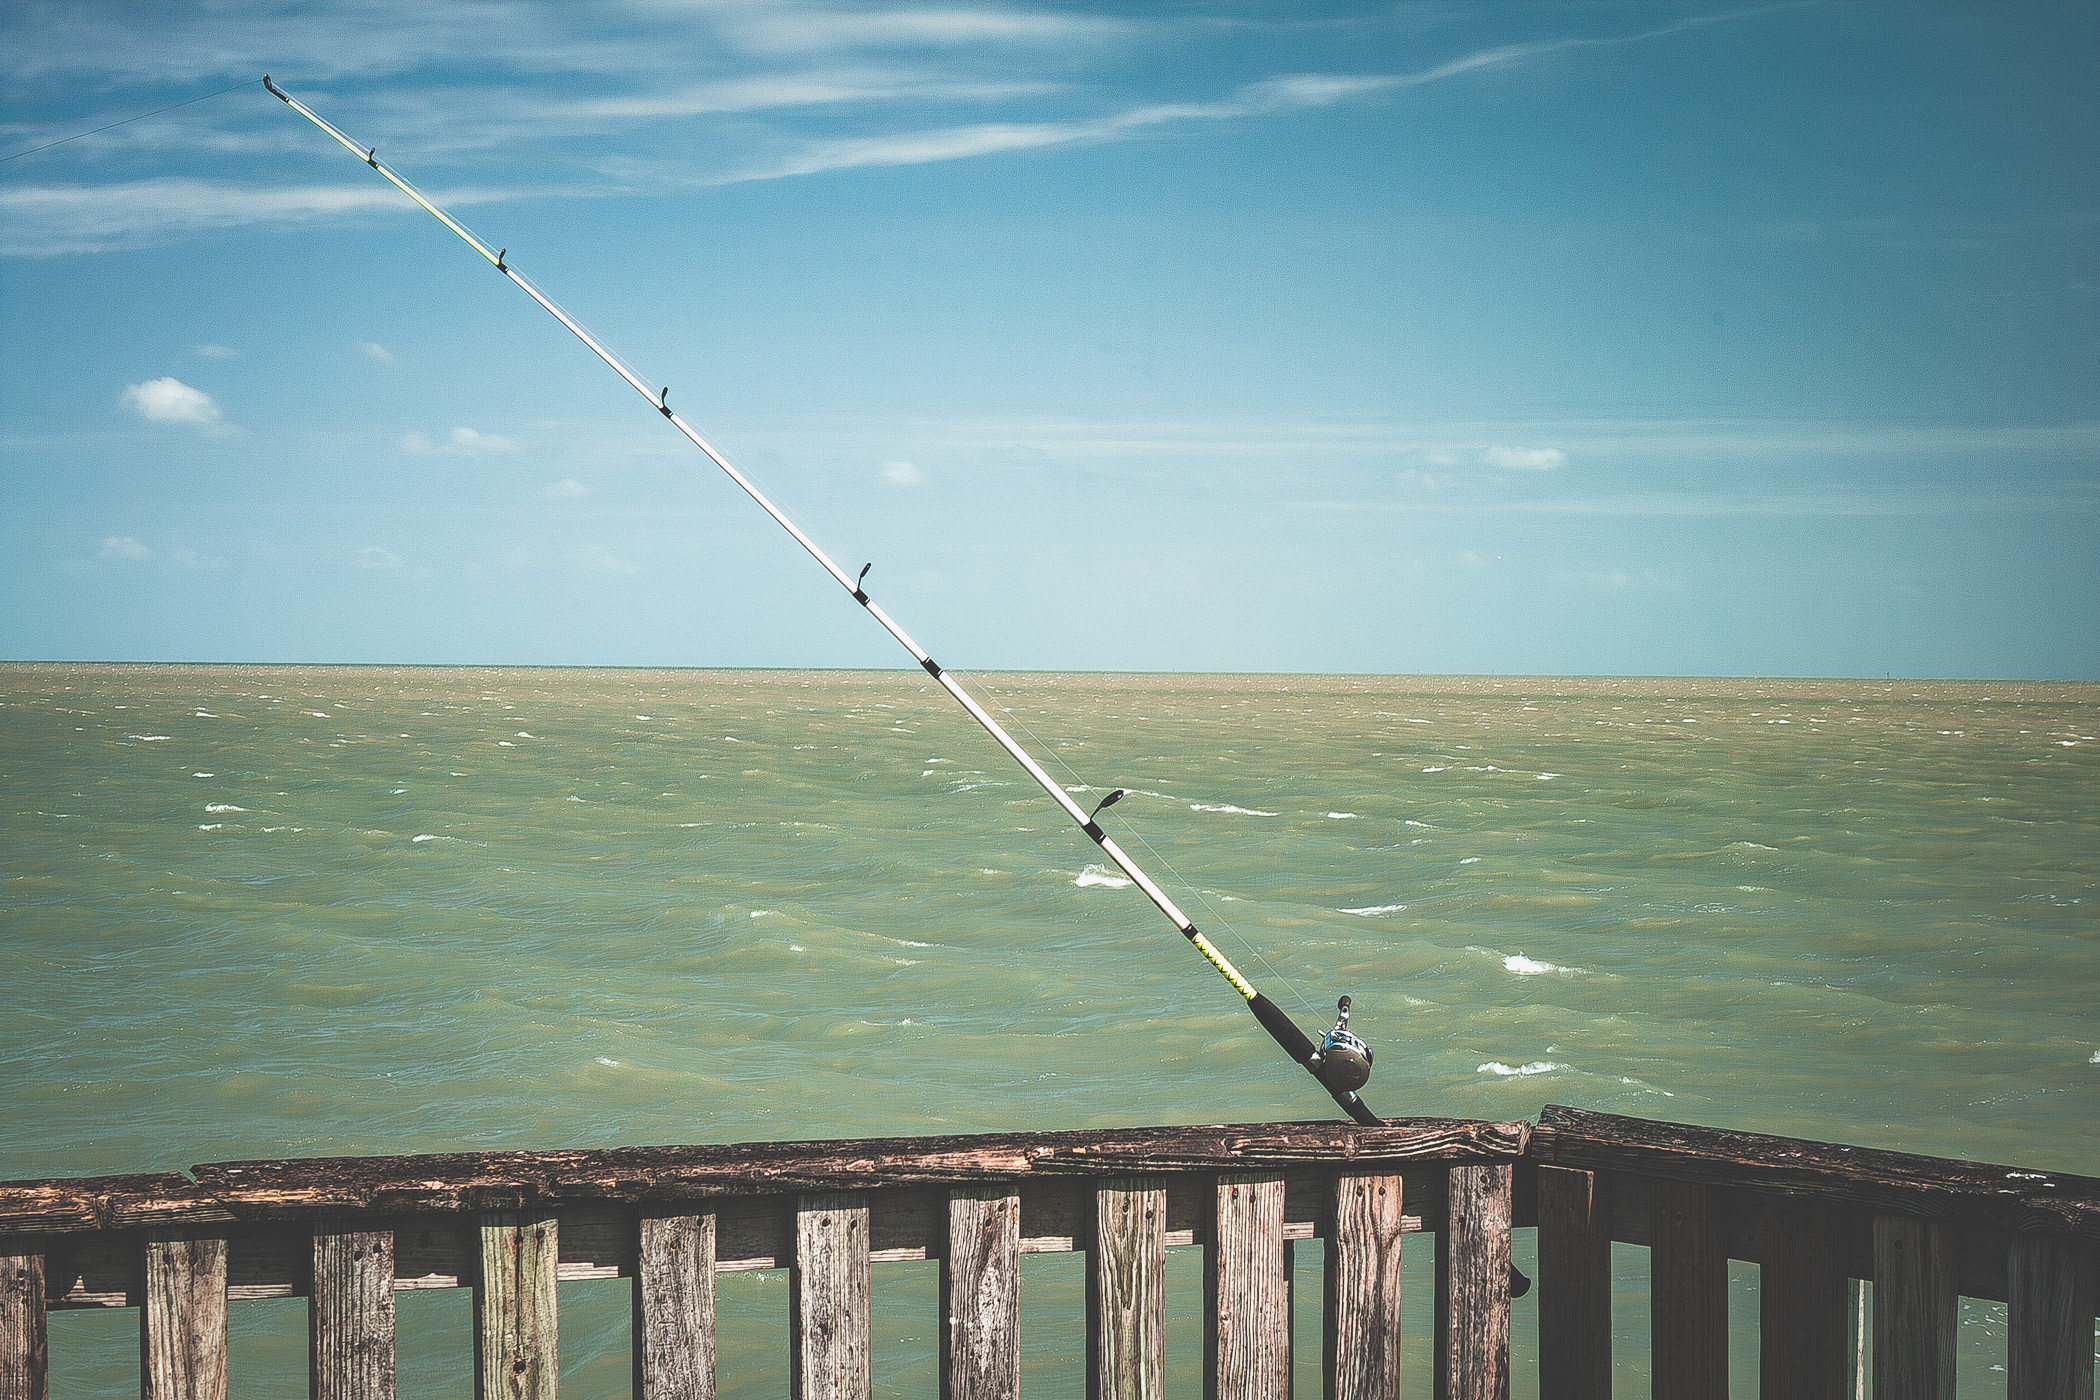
517 1350
24 1358
1914 1309
1247 1337
828 1341
1574 1209
1804 1300
1688 1292
674 1307
1361 1330
1126 1305
981 1295
1472 1349
350 1316
182 1325
2049 1309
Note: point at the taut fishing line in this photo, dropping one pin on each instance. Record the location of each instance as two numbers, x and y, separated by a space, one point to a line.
129 120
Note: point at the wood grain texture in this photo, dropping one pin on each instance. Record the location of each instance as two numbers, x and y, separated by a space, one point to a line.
1472 1351
1804 1304
674 1307
1687 1292
517 1354
1360 1337
1974 1193
981 1295
1574 1284
829 1348
1914 1309
182 1324
350 1315
2049 1315
1126 1293
25 1371
1247 1339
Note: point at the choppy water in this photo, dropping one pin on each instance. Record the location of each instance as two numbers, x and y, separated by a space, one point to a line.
293 911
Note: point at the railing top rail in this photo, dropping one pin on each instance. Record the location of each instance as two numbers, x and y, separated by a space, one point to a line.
2007 1198
238 1191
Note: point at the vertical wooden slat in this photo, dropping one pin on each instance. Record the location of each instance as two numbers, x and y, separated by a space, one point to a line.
1126 1304
2049 1312
1914 1309
674 1307
828 1344
981 1295
517 1348
1360 1331
24 1357
1247 1338
1472 1351
1688 1292
1804 1304
1574 1209
182 1325
350 1315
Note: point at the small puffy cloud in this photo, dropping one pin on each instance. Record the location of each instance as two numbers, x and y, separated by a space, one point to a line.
373 557
460 442
597 559
567 489
169 400
377 353
123 547
1532 459
902 474
217 352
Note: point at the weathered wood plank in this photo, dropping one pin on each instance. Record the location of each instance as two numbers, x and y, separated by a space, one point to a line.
1247 1339
1688 1292
1574 1287
1914 1309
182 1325
981 1295
2049 1312
1126 1303
1472 1350
1360 1334
517 1352
1892 1182
24 1336
1804 1297
830 1355
350 1315
674 1307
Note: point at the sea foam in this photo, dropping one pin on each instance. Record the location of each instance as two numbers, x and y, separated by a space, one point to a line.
1098 875
1535 1067
1228 807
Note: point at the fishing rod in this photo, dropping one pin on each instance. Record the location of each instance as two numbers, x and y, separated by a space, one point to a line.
1341 1061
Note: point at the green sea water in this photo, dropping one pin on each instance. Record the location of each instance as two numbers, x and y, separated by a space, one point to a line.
264 911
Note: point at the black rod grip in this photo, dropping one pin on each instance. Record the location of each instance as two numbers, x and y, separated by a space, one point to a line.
1281 1028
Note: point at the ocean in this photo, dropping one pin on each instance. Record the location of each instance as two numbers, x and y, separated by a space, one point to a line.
291 911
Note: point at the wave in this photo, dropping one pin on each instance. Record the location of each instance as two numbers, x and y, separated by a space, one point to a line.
1228 807
1373 910
1535 1067
1098 875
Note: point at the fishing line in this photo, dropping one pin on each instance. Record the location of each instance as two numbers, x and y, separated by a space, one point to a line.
129 120
1168 865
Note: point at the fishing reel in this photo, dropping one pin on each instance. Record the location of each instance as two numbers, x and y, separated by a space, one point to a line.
1342 1061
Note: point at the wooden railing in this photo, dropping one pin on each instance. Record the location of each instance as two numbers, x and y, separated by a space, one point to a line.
347 1234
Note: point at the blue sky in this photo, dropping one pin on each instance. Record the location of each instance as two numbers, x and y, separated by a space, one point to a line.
1585 338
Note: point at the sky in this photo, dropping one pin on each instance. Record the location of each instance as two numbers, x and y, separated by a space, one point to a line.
1585 338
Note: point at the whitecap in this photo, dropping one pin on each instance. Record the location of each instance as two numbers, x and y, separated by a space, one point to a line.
505 744
426 836
1432 770
1098 875
1372 910
1470 860
523 735
204 775
1535 1067
1341 816
1228 807
574 798
1548 777
1532 967
148 738
222 807
211 826
608 1063
761 913
2096 1058
1753 845
206 714
1412 822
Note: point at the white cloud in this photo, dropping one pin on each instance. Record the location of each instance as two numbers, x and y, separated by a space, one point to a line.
217 352
169 400
377 353
902 474
595 558
373 557
123 547
460 442
1535 459
567 489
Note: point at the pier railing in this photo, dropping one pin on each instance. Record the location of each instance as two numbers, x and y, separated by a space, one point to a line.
348 1234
